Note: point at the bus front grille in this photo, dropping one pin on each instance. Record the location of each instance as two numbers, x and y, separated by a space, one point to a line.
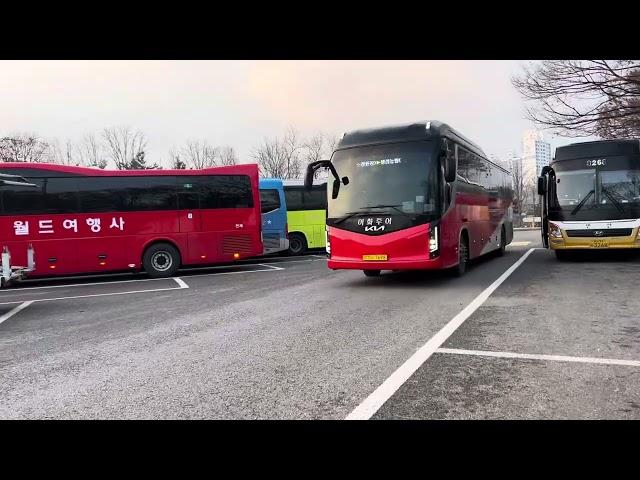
236 244
610 232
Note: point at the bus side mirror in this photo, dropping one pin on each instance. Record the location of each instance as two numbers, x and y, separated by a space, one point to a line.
450 168
345 180
541 186
335 189
448 156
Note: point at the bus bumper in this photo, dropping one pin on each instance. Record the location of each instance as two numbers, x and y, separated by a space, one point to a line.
406 249
350 264
594 243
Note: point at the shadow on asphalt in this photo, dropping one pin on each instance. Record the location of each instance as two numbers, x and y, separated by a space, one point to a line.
422 278
604 256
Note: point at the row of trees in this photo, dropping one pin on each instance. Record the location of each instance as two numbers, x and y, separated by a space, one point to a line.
583 97
280 157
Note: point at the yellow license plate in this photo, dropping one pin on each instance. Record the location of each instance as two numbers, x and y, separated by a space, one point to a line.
374 257
599 244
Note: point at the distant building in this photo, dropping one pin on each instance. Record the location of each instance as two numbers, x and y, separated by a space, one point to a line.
536 153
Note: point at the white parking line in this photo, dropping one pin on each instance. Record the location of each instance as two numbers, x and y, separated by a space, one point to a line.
519 244
106 282
270 266
380 395
96 295
529 356
180 282
11 313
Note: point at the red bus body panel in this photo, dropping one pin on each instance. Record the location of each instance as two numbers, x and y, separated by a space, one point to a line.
206 236
482 216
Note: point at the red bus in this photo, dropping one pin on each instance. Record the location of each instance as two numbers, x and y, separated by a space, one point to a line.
85 220
418 196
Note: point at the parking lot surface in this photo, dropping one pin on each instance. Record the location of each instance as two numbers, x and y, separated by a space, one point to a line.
288 338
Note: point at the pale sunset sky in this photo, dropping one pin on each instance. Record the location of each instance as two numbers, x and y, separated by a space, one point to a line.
238 103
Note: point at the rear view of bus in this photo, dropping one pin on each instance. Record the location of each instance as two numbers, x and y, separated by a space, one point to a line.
417 196
591 197
274 216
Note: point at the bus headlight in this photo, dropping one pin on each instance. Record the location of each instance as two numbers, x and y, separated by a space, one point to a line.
554 230
433 241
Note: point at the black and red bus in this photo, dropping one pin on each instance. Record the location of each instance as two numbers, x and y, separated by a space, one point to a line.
417 196
86 220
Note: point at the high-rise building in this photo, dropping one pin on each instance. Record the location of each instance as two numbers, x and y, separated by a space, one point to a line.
536 153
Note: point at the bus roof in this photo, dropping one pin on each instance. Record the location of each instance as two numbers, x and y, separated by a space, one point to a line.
62 170
598 148
423 130
270 183
295 182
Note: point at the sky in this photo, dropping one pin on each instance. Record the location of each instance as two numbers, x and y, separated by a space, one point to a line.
239 103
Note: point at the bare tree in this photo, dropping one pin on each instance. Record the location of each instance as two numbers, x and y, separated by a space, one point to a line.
199 154
280 158
23 148
319 147
227 156
123 145
91 152
63 154
583 97
175 161
519 186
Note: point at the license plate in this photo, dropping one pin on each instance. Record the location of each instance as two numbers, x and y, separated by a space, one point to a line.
599 244
374 257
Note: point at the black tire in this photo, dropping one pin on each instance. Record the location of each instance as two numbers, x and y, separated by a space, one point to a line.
161 260
297 244
371 273
503 243
463 257
562 255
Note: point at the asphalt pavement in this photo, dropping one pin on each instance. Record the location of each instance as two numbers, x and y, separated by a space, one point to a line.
287 338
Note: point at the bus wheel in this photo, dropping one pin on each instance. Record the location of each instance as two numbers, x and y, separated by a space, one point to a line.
463 257
372 273
297 244
161 260
503 242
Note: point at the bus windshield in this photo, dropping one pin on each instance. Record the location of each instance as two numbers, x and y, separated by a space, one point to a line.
391 177
593 193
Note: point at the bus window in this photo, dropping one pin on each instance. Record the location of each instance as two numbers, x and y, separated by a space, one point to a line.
293 197
269 200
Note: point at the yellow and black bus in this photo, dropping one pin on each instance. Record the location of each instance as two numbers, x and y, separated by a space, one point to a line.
591 197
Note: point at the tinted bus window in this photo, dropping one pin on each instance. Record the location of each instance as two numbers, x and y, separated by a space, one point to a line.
100 194
157 193
269 200
219 191
109 194
60 195
293 197
23 200
316 199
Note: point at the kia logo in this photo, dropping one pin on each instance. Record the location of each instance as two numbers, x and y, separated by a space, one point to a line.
374 228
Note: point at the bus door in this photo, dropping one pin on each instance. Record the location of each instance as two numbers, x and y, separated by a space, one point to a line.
190 219
546 187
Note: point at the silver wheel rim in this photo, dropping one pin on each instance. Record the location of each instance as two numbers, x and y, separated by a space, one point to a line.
161 261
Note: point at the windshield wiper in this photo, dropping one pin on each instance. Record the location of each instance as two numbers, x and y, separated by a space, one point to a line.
346 216
395 207
615 202
582 202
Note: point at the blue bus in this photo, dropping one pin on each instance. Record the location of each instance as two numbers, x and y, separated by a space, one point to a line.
274 216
